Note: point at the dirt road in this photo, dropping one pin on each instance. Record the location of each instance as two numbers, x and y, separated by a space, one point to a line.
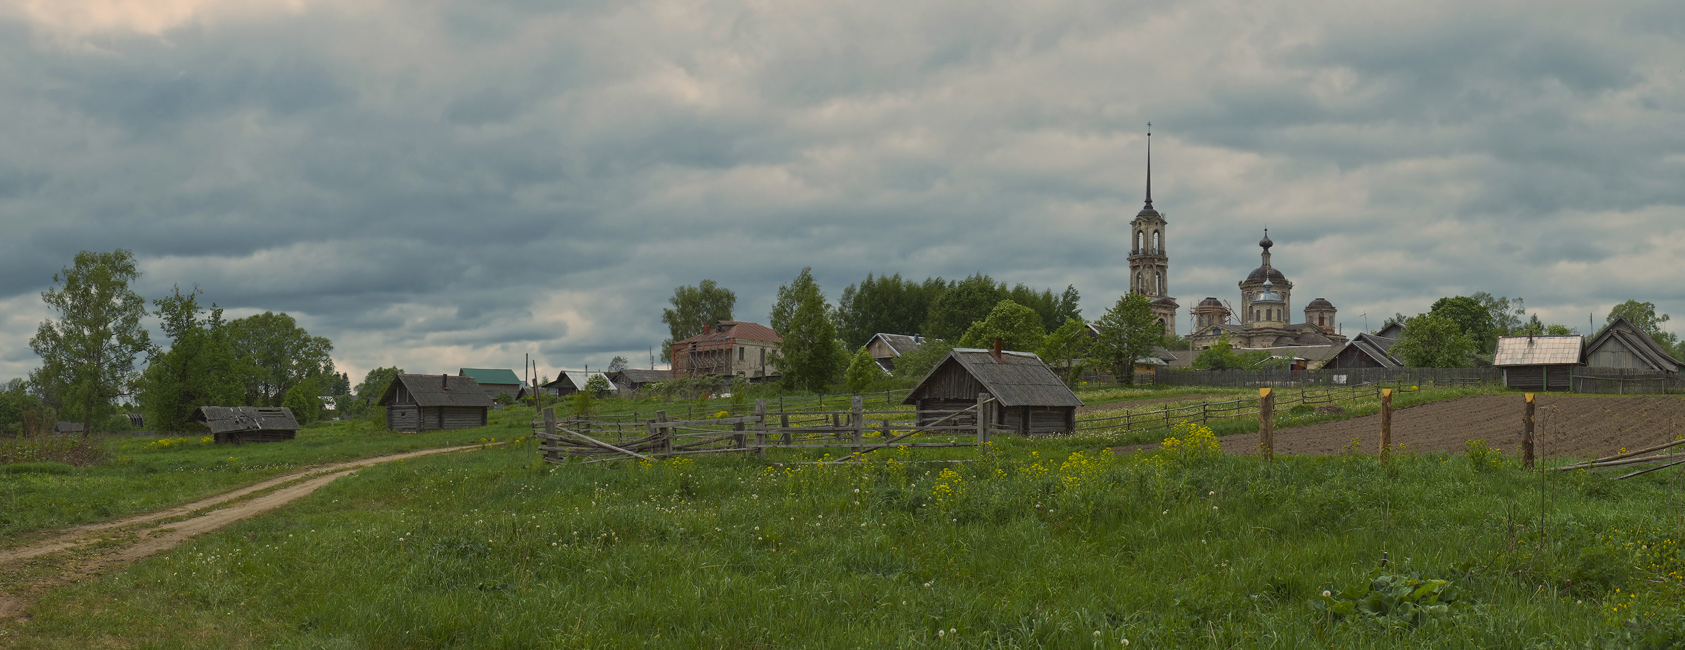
88 550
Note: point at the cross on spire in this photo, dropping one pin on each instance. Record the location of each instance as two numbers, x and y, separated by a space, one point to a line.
1149 165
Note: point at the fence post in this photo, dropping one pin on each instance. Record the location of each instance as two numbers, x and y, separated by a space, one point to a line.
1386 425
857 422
550 428
1266 423
741 438
983 420
784 423
665 440
760 428
1527 435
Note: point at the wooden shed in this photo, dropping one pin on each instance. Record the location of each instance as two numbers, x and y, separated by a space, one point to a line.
494 380
1363 351
243 424
1538 363
433 402
1031 399
1622 345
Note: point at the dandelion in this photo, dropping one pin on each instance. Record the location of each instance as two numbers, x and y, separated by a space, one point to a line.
941 632
1096 634
1326 593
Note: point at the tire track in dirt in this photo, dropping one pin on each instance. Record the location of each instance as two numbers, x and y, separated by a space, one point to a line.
135 541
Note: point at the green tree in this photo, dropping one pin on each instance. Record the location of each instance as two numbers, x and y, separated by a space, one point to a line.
888 304
1507 315
863 372
966 302
375 382
1536 327
88 354
1220 356
1053 310
598 386
1431 341
276 354
692 309
617 364
1128 332
811 357
1643 315
199 368
302 398
1471 317
1066 350
1018 327
913 366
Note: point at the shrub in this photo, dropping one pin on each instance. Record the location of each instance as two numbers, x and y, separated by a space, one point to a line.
1191 443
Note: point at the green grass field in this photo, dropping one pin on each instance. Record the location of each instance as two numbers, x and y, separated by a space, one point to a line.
1024 548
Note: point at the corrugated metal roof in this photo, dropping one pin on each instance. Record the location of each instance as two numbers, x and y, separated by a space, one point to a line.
222 419
501 376
1537 351
899 343
431 390
1018 379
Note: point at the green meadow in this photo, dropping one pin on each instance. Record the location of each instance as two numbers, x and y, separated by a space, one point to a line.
1030 545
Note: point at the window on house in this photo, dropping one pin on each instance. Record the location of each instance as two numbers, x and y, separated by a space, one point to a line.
740 353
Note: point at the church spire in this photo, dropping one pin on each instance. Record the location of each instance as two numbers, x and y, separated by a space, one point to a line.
1149 205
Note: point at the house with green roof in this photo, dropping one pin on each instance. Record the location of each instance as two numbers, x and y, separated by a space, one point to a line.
494 380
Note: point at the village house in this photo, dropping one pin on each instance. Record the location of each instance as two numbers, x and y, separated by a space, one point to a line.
1622 345
1031 399
884 348
494 380
434 402
727 349
635 378
1364 351
243 424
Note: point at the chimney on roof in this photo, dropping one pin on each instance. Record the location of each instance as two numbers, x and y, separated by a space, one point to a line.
445 382
995 351
708 327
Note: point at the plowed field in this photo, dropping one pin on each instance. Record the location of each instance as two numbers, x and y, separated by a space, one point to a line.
1570 425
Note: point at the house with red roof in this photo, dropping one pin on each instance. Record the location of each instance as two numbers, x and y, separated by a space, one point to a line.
728 348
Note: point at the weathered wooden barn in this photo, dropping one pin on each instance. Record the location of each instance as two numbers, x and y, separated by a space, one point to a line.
1031 400
494 380
433 402
884 348
1364 351
242 424
1622 345
1538 363
636 378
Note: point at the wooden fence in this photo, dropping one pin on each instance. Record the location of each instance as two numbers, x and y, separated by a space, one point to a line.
1208 412
857 429
1622 381
1329 377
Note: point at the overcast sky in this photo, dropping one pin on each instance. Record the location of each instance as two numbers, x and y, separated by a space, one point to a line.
444 184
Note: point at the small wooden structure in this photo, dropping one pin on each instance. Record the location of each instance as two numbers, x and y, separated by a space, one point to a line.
1538 363
434 402
1622 345
1031 399
636 378
1364 351
242 424
493 380
884 348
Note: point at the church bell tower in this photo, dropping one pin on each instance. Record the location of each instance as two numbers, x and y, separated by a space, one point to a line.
1149 266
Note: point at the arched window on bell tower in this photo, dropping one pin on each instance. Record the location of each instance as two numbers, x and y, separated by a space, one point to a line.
1158 243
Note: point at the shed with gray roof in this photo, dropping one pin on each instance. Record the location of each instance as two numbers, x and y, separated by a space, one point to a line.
1623 345
1032 400
434 402
243 424
1541 363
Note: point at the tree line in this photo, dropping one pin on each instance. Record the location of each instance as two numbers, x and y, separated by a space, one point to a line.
823 342
96 352
1463 331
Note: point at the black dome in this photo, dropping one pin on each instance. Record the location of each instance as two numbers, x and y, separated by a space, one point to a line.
1320 303
1257 275
1211 302
1265 242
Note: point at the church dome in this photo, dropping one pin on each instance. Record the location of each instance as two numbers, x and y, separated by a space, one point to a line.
1319 303
1211 302
1261 273
1265 243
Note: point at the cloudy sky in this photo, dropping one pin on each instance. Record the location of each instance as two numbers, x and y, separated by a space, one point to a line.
440 184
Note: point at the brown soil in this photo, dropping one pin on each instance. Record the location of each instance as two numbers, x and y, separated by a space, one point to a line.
1135 403
96 547
1569 426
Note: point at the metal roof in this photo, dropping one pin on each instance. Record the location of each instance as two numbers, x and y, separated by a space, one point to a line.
640 376
222 419
483 376
899 343
732 330
1018 379
1537 351
439 390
